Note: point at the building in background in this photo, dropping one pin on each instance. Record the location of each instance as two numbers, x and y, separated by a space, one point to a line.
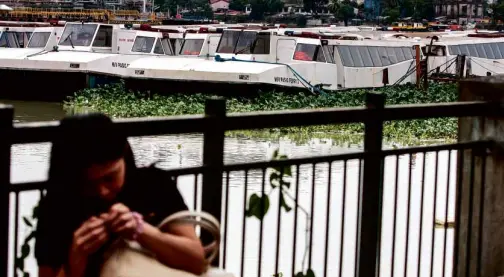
463 10
372 8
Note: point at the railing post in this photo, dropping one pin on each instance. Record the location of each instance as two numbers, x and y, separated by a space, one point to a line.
6 117
213 160
369 221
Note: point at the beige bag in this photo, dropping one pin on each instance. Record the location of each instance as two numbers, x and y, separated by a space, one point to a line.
129 259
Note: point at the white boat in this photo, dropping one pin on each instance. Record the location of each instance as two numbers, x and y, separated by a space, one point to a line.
484 56
251 60
84 53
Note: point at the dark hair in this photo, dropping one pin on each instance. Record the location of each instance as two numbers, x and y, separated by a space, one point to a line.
83 140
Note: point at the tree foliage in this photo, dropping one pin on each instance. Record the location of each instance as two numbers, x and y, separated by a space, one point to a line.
262 7
343 10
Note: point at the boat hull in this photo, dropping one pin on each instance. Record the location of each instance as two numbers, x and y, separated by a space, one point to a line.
38 85
167 87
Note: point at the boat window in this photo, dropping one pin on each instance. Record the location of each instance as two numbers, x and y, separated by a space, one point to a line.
78 34
262 44
494 50
143 44
103 37
176 44
9 39
373 56
305 52
23 38
320 55
329 50
245 42
39 40
228 41
158 48
192 47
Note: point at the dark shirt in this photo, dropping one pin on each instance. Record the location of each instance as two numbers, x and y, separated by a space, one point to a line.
152 193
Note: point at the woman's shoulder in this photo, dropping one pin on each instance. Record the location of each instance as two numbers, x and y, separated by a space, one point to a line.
153 175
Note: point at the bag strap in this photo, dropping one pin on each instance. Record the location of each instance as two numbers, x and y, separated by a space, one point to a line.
203 219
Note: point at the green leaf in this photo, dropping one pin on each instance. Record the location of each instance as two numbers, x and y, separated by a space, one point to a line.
275 154
283 204
35 212
30 237
285 183
256 205
286 170
27 221
309 273
282 157
25 250
274 179
20 263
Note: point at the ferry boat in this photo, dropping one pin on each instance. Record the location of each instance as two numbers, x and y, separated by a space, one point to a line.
484 56
248 60
89 54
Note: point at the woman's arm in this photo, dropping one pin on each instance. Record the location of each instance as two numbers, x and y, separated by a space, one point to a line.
179 248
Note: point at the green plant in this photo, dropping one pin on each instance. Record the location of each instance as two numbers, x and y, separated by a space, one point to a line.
30 223
116 101
258 206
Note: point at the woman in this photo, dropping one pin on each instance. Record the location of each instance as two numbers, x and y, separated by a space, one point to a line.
96 194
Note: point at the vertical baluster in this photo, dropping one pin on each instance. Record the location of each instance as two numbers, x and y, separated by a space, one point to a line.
343 206
312 216
328 213
408 204
422 193
261 227
294 240
434 214
392 261
226 215
279 221
244 224
446 211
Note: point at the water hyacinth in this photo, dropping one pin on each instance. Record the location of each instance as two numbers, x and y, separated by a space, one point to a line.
116 101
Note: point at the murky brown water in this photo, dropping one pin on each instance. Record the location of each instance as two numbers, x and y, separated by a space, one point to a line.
30 163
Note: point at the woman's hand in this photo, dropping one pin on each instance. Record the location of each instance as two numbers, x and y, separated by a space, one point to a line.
87 239
122 221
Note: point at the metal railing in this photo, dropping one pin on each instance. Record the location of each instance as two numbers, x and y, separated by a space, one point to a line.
363 248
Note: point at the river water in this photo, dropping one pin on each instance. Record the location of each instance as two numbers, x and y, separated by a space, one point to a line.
30 163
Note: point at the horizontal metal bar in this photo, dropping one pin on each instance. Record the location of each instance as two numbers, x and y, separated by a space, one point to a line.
310 117
47 131
42 132
294 161
28 186
434 148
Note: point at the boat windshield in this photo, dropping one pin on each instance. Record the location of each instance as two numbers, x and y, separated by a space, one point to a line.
78 34
39 39
192 47
309 52
244 42
143 44
9 40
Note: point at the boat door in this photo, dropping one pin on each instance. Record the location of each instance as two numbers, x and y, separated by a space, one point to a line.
213 42
285 49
